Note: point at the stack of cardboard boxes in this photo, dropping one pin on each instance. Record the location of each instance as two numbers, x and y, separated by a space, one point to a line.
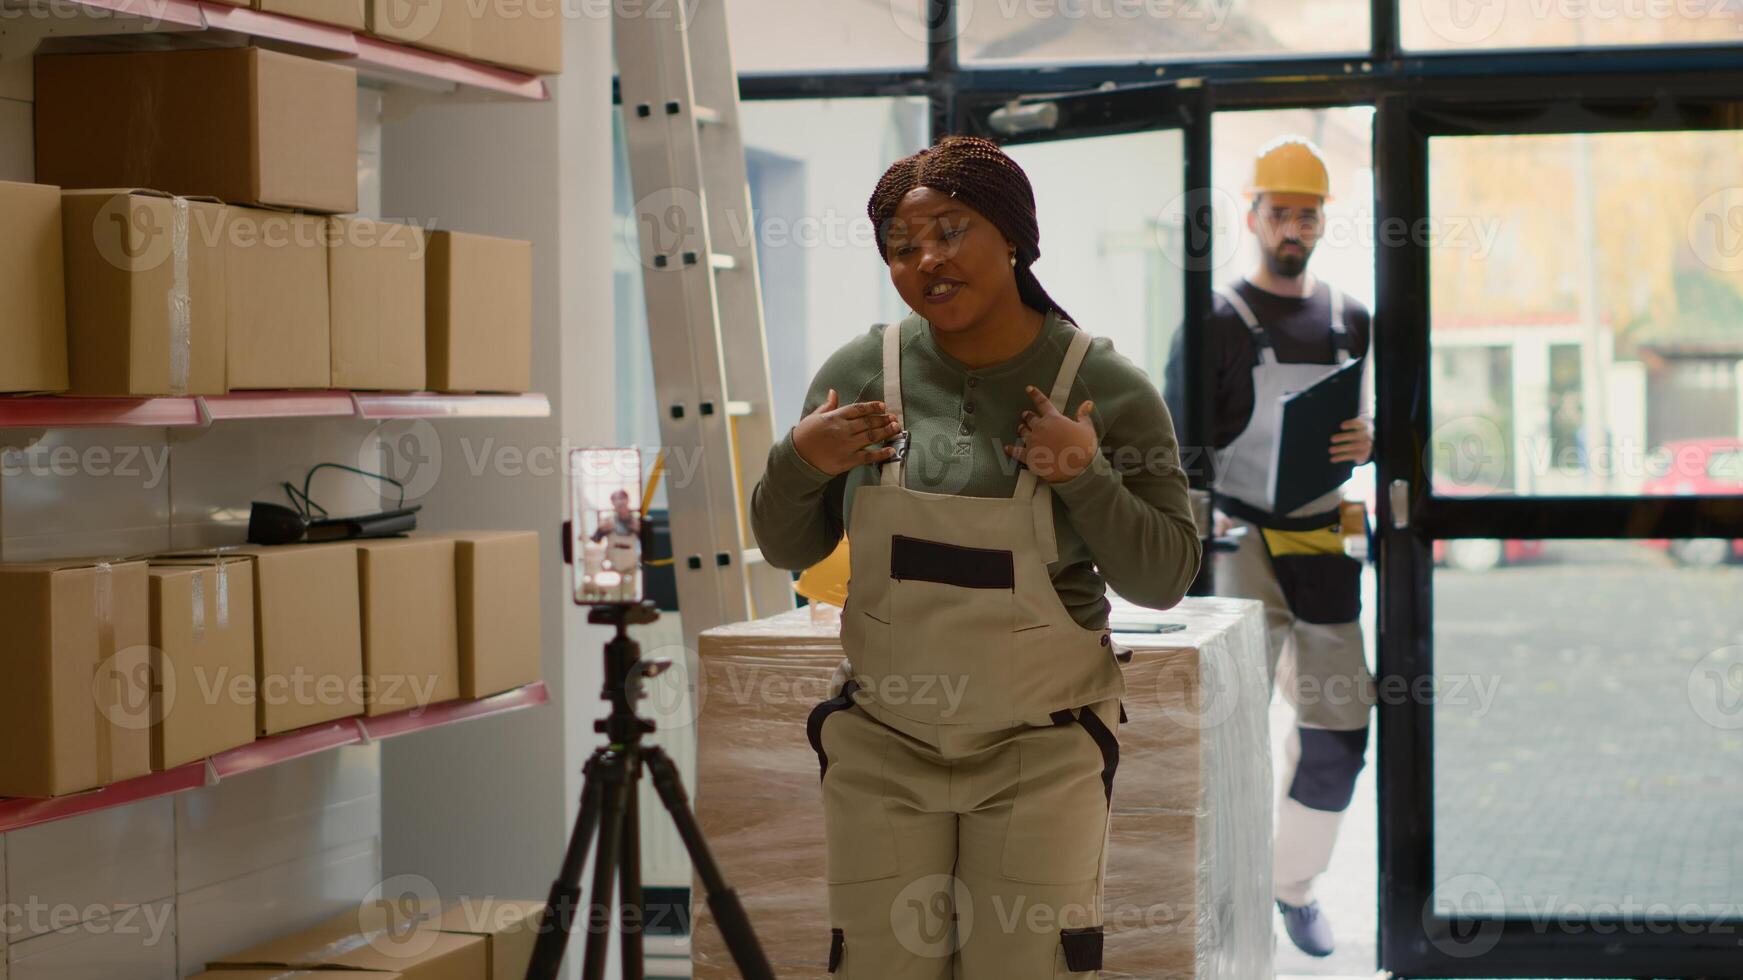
526 35
190 237
471 939
118 669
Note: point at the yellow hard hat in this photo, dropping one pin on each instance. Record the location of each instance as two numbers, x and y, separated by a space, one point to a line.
826 581
1290 165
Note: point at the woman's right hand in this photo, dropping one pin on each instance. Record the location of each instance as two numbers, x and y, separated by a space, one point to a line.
835 438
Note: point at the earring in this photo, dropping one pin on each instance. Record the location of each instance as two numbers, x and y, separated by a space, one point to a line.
1013 260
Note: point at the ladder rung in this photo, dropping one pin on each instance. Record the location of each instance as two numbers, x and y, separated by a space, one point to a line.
705 116
751 556
740 408
720 260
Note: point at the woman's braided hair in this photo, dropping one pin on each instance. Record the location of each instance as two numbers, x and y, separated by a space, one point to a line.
979 174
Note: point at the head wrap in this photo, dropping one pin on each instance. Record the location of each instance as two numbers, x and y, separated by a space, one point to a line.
979 174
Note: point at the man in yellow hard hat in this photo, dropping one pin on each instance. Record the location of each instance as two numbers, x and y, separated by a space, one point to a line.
1278 330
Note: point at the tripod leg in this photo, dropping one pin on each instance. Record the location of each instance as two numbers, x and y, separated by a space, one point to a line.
634 912
557 921
729 913
614 777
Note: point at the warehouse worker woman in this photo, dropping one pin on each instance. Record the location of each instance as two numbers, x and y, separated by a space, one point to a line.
968 762
1280 330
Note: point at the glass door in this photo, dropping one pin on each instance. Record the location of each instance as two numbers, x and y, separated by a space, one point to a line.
1560 419
1122 185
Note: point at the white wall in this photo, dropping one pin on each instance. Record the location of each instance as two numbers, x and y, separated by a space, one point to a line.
485 807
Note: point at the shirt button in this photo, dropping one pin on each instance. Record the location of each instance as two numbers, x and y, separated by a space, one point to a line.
973 381
966 428
968 407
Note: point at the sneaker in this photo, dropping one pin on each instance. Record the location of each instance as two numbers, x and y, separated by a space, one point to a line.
1307 927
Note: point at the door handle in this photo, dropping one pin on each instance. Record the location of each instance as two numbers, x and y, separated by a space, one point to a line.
1399 495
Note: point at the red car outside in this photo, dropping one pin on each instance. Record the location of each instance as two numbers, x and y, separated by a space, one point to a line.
1699 468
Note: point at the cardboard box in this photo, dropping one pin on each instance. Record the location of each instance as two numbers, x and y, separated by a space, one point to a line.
75 704
526 36
377 303
480 305
497 574
286 973
411 653
509 928
145 293
443 27
244 125
351 14
308 635
278 308
33 296
202 659
342 944
282 973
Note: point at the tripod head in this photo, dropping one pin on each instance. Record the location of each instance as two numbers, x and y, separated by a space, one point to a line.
623 614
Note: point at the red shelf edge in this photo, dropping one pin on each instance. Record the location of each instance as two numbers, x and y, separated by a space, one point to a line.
397 57
280 405
56 411
432 405
278 27
17 814
452 712
74 412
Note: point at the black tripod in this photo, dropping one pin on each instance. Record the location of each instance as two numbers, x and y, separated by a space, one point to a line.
608 809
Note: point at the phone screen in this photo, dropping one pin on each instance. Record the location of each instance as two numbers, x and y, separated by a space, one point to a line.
605 496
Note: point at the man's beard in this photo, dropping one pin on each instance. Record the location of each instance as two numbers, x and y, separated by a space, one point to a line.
1288 265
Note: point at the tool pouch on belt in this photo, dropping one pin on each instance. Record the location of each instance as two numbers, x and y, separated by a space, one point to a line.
1321 583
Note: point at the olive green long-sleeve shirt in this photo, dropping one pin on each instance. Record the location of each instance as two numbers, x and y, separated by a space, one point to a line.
1125 521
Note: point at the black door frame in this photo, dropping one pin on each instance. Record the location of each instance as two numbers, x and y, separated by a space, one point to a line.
1415 941
1186 106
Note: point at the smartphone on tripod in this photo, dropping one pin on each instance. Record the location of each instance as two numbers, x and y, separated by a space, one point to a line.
605 525
604 549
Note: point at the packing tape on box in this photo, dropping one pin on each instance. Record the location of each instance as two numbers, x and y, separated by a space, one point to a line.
222 574
180 300
198 590
103 587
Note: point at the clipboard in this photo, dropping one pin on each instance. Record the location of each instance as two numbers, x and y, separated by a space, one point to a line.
1301 470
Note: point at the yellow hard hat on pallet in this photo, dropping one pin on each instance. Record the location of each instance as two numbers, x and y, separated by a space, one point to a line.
1290 165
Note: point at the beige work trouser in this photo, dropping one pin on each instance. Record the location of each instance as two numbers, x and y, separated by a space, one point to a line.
965 852
1323 671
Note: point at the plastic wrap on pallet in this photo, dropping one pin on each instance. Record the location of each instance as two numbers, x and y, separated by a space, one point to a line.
1188 894
1188 889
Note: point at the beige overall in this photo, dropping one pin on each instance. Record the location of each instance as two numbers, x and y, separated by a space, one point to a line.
968 764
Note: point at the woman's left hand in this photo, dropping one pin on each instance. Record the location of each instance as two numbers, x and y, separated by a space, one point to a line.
1055 446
